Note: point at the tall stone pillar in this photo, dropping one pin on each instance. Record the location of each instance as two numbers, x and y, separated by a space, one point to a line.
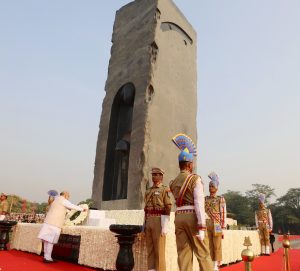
151 95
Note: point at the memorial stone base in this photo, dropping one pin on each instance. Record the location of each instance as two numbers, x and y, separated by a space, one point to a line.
99 247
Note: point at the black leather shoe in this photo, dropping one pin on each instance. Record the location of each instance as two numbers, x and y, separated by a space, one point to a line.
47 261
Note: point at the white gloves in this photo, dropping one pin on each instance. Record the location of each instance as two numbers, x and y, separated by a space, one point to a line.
165 219
201 235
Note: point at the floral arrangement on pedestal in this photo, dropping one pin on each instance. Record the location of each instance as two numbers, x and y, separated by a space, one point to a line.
75 217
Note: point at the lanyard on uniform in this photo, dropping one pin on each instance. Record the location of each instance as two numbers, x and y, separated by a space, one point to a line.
183 190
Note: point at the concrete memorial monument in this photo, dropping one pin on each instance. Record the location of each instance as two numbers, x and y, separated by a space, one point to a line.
151 94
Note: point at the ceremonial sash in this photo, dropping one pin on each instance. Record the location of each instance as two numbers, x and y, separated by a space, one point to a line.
222 212
183 189
219 216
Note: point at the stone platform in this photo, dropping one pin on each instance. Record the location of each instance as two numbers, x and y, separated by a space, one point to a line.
99 247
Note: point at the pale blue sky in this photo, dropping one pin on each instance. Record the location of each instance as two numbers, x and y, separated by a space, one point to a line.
53 66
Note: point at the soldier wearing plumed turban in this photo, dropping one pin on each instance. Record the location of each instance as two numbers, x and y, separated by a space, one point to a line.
264 224
190 224
215 208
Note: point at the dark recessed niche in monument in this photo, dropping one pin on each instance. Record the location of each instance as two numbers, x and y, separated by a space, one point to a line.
168 26
118 145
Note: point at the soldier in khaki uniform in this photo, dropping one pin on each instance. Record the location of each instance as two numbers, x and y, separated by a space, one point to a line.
3 206
264 224
215 208
190 224
157 217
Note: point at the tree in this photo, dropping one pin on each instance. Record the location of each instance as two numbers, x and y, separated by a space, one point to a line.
239 206
15 203
291 198
258 189
41 208
89 202
286 212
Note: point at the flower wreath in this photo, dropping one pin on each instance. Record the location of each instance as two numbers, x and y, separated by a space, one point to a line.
75 217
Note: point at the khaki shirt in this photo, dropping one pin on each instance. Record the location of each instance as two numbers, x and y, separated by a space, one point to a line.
176 184
157 198
264 216
215 208
3 207
194 195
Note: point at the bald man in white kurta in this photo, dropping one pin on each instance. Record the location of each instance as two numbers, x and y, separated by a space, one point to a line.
53 223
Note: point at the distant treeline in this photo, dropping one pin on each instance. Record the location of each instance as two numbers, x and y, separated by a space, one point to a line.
20 205
285 211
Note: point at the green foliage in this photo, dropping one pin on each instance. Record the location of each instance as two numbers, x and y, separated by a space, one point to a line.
41 208
75 215
285 211
258 189
291 199
89 202
15 204
239 206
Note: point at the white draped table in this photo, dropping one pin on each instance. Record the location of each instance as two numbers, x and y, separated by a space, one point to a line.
99 247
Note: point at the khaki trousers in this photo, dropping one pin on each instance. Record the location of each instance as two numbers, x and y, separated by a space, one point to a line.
187 243
264 234
156 244
215 242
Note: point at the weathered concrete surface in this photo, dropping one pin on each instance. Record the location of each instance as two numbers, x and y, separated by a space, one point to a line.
154 47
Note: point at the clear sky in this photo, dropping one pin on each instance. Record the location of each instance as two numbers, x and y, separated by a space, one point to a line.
53 67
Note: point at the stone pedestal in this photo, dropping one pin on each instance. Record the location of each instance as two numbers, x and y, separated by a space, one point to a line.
5 228
98 218
126 235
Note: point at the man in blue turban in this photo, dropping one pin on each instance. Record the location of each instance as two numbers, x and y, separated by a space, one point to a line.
190 224
264 224
215 208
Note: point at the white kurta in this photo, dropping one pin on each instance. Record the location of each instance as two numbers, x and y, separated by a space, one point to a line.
51 233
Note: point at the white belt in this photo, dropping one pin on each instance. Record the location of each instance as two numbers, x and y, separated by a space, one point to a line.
185 207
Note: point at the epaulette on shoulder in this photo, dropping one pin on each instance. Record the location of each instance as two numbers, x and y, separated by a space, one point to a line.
196 176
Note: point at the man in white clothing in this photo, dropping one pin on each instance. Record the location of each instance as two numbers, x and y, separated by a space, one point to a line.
54 221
